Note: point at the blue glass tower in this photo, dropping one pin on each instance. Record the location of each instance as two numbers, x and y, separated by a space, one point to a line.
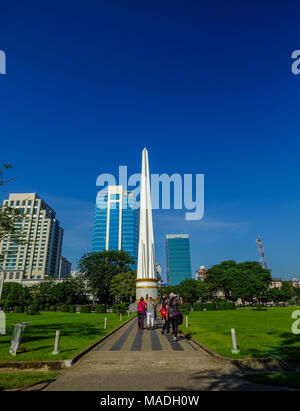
116 222
178 258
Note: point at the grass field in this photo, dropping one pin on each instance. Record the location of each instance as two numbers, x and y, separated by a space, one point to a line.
77 332
291 380
10 380
256 331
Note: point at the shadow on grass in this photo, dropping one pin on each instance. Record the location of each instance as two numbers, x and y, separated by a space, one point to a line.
46 331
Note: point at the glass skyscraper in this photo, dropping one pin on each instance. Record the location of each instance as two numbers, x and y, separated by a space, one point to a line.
178 258
116 222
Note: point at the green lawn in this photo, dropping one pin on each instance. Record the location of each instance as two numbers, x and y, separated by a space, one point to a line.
291 380
256 331
77 331
10 380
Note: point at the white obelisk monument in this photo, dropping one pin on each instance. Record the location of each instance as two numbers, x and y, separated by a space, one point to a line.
146 282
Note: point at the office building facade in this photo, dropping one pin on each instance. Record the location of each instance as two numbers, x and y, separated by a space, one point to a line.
64 267
116 222
39 254
178 258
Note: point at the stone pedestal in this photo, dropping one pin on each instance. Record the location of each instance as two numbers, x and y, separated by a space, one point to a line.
147 287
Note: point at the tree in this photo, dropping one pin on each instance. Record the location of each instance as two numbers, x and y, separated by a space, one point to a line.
296 293
99 268
189 291
248 280
282 294
12 294
9 217
123 287
4 168
168 289
206 291
70 291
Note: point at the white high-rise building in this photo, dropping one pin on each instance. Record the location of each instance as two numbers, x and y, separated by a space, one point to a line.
38 257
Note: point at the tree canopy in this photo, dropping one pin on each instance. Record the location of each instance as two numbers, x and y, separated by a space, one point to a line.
99 268
123 287
247 280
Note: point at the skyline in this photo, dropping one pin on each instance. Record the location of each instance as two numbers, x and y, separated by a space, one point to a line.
206 89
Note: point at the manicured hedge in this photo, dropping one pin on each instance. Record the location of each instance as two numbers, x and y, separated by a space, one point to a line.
85 309
72 308
65 308
198 307
53 308
100 308
185 308
120 308
19 309
214 306
33 309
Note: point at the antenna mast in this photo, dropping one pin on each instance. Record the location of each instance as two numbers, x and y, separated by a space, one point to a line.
261 252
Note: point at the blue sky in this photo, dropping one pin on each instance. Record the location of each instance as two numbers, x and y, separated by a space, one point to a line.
207 87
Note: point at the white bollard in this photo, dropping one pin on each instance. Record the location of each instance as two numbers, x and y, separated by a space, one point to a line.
235 349
186 321
121 317
105 322
56 345
2 323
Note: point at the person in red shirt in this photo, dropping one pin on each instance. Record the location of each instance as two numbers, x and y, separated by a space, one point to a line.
141 308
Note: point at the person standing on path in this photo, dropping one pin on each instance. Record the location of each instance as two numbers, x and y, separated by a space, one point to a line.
141 308
173 314
150 313
164 311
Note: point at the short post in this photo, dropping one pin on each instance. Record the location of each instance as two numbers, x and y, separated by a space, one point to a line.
235 349
105 322
128 313
186 321
56 345
120 316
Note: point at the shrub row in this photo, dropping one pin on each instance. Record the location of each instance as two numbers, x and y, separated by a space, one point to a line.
185 308
214 306
120 308
100 308
68 309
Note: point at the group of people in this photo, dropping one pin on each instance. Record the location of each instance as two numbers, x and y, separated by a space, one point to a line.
169 309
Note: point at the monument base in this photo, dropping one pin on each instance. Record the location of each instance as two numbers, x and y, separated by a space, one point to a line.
147 287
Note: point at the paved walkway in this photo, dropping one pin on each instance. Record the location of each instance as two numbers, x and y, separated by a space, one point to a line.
132 359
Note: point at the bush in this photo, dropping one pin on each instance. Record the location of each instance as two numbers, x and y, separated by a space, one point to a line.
65 308
85 309
230 306
116 308
100 308
124 307
19 309
210 306
198 306
185 308
47 307
33 309
72 308
53 308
